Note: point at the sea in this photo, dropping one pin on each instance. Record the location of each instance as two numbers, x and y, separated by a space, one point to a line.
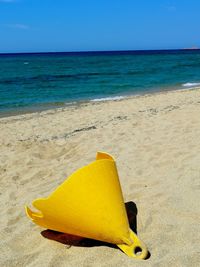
37 81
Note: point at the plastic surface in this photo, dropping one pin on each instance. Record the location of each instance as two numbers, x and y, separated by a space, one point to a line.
89 204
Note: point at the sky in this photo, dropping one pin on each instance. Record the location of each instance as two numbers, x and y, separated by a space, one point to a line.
93 25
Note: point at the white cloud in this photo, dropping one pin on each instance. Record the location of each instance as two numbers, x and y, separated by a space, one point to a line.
18 26
171 8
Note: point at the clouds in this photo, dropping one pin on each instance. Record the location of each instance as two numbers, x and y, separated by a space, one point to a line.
18 26
171 8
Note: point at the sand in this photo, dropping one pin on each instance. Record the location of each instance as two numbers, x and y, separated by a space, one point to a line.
155 140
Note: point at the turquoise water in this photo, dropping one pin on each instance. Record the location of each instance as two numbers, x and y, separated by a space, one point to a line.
35 81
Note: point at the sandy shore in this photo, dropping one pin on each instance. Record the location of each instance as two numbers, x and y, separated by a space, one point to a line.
156 142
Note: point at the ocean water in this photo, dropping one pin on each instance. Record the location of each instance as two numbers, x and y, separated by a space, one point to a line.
46 80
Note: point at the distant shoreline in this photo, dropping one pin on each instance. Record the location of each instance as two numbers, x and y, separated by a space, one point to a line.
75 104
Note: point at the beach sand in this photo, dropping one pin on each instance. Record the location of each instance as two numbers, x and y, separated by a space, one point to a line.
155 140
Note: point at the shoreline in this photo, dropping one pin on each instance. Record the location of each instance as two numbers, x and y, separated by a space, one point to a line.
65 105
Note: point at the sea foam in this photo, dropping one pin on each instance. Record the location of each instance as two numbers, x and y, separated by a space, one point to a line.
108 98
190 84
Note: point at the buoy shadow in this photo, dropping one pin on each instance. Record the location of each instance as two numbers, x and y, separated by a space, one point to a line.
71 240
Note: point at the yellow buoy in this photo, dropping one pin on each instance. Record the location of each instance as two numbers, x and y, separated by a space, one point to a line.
90 204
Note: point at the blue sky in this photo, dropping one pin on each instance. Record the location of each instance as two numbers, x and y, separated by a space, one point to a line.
88 25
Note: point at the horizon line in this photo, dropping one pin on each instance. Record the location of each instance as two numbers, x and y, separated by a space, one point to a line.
102 51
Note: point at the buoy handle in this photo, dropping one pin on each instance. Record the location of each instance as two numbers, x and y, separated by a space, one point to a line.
136 250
